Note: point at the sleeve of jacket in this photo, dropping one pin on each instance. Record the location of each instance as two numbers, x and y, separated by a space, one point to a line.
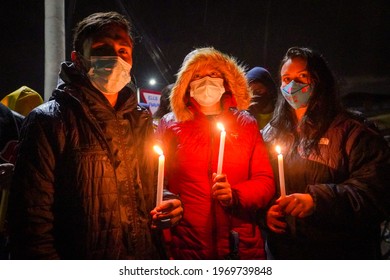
259 189
363 198
32 191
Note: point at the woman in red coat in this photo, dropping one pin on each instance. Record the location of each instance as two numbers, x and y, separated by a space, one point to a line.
220 209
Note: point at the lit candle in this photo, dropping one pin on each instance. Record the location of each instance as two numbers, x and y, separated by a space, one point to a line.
160 177
221 147
281 172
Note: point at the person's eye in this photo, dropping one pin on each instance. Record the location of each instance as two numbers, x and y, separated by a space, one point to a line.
303 76
102 51
286 80
260 92
124 52
195 77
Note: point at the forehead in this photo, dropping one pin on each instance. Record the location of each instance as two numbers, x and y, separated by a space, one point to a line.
257 86
204 68
294 65
112 33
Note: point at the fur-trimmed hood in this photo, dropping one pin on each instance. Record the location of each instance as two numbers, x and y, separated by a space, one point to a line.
233 74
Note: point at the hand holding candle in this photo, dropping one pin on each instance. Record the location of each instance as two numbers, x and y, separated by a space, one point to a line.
281 172
221 148
160 177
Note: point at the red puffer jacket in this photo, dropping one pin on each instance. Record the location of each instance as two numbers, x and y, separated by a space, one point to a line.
191 149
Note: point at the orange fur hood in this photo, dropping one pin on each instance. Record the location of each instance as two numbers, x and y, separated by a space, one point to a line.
232 71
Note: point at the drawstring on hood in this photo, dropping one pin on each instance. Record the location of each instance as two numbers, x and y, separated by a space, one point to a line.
233 74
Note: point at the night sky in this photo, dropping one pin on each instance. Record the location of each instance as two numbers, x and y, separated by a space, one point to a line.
352 35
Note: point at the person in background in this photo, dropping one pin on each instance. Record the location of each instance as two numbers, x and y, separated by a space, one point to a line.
10 125
84 184
336 169
22 100
164 106
265 95
220 208
6 170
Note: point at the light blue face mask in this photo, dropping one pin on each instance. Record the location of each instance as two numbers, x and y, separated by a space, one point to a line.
297 94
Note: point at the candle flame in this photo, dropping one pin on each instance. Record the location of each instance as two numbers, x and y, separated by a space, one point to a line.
278 149
158 150
220 126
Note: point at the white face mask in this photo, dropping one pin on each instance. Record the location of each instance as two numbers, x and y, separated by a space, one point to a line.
109 74
207 91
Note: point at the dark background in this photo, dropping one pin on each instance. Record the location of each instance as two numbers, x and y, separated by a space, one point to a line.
352 35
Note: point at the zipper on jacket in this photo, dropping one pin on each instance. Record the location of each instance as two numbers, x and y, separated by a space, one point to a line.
214 234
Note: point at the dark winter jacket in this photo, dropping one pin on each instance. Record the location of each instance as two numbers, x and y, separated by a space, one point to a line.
84 179
10 125
349 183
191 144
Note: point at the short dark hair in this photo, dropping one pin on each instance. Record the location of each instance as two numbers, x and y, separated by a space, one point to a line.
96 22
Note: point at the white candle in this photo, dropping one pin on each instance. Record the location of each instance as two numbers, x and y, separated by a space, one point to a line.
160 177
281 172
221 147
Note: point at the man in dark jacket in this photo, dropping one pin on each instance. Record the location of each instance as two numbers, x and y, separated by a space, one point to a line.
84 184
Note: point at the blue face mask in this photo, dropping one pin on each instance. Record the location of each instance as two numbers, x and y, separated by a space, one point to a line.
297 94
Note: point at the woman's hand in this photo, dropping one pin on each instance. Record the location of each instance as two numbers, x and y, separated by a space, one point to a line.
168 214
221 190
275 219
297 204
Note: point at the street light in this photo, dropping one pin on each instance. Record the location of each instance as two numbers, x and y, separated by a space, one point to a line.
152 82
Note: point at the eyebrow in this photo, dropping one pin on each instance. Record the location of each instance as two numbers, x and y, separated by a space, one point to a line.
305 70
125 43
122 43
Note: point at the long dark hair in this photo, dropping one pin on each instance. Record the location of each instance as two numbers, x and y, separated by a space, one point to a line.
322 108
